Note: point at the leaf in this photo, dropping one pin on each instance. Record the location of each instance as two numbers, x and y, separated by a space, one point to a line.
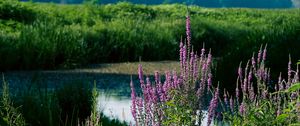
281 117
170 103
294 87
295 124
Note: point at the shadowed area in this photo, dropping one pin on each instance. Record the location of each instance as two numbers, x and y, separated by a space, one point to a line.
111 77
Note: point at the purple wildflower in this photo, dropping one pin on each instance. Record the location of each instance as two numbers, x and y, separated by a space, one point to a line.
188 31
231 102
202 54
289 72
251 93
209 58
181 54
133 101
192 61
209 81
249 77
195 69
225 98
280 84
245 86
259 55
242 108
140 72
157 77
237 92
212 106
278 111
265 53
240 72
253 61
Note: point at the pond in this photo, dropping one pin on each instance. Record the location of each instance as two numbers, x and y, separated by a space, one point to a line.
112 82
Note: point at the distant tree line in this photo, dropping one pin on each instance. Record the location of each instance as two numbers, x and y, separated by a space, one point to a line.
204 3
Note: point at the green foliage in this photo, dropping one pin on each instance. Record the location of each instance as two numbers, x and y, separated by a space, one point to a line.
76 101
57 36
9 115
294 88
68 105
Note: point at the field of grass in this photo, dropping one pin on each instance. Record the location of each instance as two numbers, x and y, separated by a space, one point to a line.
52 36
47 36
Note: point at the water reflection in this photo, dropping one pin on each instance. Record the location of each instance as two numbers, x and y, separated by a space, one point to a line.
115 105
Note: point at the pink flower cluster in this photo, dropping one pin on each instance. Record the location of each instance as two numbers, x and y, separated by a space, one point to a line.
194 77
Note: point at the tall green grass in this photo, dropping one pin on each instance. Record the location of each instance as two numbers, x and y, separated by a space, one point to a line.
51 36
69 105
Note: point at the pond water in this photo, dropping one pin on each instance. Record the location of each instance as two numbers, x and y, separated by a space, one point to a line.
112 81
117 106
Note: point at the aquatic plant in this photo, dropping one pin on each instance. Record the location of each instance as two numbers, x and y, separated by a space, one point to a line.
177 100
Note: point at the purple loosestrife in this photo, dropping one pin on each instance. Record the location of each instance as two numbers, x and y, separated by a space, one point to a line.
280 84
157 77
192 62
237 92
289 73
195 69
265 54
240 72
188 31
231 102
209 81
202 54
253 61
181 55
225 98
245 86
251 93
175 80
212 106
249 78
140 106
184 54
259 55
133 102
151 106
140 72
148 100
209 56
242 109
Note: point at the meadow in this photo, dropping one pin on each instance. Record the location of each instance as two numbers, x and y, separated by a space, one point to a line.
47 36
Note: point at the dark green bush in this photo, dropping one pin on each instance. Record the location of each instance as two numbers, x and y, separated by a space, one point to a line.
75 99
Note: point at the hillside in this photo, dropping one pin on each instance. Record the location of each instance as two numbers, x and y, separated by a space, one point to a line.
51 36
